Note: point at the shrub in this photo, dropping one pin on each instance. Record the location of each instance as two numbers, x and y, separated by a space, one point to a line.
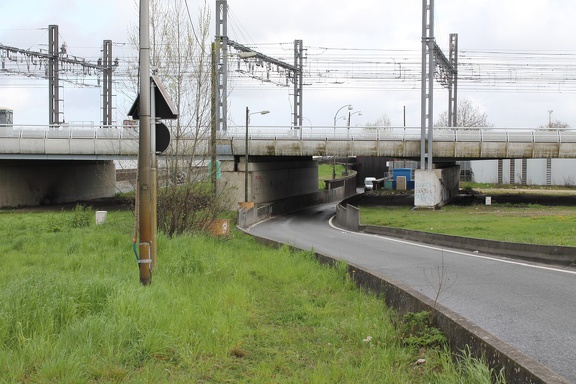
187 208
82 216
416 330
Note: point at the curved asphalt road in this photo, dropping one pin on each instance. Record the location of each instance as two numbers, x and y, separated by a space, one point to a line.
530 306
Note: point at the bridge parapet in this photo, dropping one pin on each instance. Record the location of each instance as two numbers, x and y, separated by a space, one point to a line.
450 144
68 140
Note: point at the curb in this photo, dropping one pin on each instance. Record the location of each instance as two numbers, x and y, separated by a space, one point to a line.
460 332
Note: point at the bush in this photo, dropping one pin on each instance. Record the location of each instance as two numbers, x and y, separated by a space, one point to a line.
416 331
187 208
82 216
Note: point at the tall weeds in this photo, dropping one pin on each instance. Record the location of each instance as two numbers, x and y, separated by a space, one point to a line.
73 311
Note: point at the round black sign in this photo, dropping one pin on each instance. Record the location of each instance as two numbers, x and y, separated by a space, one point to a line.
162 137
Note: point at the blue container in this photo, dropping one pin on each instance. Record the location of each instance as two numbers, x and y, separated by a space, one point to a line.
402 172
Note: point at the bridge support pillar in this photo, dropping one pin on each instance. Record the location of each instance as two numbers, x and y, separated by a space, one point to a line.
434 188
270 179
42 182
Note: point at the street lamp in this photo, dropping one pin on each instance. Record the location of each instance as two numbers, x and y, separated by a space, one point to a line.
302 128
246 151
348 136
335 118
338 111
349 117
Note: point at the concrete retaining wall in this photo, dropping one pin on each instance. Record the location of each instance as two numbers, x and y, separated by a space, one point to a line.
270 179
38 182
250 215
461 333
531 252
347 216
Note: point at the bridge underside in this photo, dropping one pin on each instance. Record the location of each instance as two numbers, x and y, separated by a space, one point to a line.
39 182
275 178
270 178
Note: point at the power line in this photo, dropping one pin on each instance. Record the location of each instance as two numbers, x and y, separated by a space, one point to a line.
391 69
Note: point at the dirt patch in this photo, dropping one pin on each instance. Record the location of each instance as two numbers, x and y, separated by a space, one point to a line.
105 204
498 196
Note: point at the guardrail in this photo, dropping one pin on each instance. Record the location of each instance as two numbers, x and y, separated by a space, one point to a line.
118 140
525 135
72 140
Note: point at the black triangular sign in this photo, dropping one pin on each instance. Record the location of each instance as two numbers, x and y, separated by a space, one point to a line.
164 107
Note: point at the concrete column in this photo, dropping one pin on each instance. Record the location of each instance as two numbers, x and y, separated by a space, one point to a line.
270 180
31 182
434 188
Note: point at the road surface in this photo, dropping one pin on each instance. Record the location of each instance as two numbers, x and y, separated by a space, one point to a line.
530 306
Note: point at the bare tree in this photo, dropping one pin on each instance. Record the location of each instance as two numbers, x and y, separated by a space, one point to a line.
181 58
381 125
468 115
181 54
382 121
556 124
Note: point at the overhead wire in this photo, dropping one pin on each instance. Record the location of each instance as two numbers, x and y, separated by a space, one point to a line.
367 68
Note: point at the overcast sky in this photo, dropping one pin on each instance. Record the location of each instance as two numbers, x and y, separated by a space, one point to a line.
493 25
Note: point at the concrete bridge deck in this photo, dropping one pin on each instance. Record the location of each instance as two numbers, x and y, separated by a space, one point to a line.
450 144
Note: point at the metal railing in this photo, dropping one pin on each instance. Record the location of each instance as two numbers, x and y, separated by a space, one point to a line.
82 140
524 135
122 140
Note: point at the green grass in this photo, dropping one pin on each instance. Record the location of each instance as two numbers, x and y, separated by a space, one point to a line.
325 172
511 187
531 223
218 311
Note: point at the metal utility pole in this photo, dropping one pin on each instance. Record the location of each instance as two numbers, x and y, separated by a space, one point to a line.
453 82
221 57
223 42
53 76
53 62
427 95
107 82
298 58
145 182
433 58
213 158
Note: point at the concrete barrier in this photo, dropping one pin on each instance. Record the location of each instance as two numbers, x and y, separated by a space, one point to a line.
250 215
461 333
347 216
549 254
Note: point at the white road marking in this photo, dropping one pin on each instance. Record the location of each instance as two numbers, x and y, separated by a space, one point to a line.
478 256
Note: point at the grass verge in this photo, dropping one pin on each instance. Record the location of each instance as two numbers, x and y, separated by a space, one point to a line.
325 172
217 311
519 223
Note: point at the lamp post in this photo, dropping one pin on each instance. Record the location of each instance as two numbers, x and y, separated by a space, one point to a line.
348 135
246 151
338 111
302 128
349 117
349 106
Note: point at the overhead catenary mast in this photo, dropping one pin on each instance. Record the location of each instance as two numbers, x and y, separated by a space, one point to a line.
222 41
55 62
433 58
